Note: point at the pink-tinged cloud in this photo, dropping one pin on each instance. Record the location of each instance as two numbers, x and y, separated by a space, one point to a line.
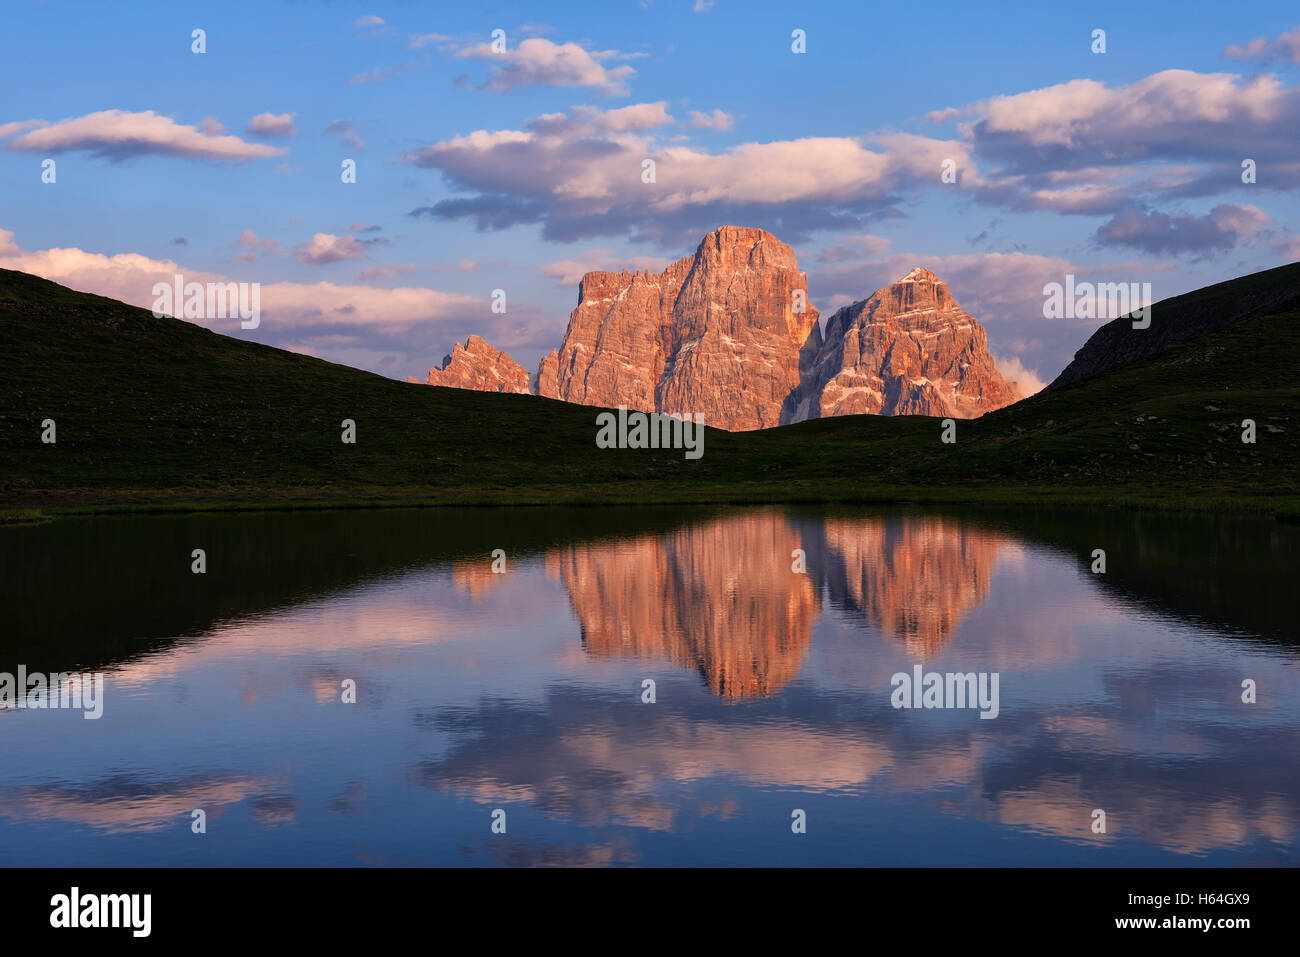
271 124
1170 112
571 172
211 126
539 62
327 248
9 129
1285 49
717 120
130 277
117 135
944 115
567 272
1173 134
252 242
1026 381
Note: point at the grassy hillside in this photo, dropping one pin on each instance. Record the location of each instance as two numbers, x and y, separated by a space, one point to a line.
159 412
1185 317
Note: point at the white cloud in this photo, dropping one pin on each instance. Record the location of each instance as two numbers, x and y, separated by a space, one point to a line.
116 134
130 277
539 62
326 248
717 120
271 124
1014 371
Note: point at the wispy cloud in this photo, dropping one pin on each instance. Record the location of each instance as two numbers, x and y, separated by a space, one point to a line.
347 133
567 272
1285 49
380 73
717 120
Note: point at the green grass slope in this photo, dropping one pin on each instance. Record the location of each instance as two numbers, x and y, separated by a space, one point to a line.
162 413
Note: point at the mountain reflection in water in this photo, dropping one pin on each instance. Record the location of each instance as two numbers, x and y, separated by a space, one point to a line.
771 636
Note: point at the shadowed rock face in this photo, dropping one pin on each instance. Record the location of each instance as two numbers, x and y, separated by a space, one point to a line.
477 365
1176 320
728 334
908 350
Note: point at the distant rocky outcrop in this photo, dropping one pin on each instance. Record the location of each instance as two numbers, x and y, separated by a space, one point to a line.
477 365
728 333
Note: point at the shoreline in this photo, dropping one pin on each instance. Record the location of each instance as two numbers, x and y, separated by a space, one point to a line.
50 505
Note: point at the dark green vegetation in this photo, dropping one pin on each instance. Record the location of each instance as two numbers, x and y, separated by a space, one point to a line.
1185 317
162 413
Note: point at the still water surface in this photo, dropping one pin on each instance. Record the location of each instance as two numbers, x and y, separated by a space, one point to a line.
523 691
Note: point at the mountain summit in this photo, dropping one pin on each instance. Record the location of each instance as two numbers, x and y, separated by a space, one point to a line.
728 332
722 333
907 350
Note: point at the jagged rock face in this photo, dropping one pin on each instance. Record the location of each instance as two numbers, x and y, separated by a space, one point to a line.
721 333
644 599
728 334
915 579
477 365
908 350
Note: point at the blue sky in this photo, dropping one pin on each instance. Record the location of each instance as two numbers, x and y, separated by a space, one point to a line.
479 171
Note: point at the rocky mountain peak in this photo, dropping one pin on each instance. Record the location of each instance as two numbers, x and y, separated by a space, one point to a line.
728 333
480 366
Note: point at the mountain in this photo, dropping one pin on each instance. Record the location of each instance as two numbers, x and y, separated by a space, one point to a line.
476 365
161 413
1185 317
728 333
725 332
907 350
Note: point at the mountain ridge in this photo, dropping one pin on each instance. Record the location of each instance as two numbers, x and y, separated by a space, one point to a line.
160 413
728 332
